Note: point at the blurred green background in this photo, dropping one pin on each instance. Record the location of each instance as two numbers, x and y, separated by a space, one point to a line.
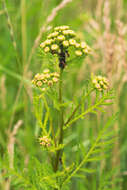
102 24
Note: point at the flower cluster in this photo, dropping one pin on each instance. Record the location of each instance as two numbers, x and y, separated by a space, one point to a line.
45 141
45 79
61 39
100 83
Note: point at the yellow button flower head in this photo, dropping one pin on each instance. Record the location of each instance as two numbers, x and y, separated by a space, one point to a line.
45 79
54 47
72 42
61 38
47 49
46 71
65 43
78 53
83 45
42 45
100 82
39 83
77 45
48 42
62 42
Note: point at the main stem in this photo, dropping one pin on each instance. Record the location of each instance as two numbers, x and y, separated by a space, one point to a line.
61 121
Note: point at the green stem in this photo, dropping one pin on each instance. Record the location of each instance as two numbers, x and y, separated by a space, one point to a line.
77 107
61 121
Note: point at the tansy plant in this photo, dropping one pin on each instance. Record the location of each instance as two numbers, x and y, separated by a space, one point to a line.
63 42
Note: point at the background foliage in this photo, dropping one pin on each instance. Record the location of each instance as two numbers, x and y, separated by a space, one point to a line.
102 23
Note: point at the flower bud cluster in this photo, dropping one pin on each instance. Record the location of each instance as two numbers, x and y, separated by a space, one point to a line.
61 39
45 79
100 83
45 141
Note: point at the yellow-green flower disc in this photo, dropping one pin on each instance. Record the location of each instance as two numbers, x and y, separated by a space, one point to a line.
50 83
101 82
43 89
57 28
83 45
42 76
77 45
48 42
105 80
54 47
78 53
99 77
55 74
55 34
45 81
71 32
85 51
46 49
47 75
61 37
42 45
105 87
72 42
46 71
65 43
64 27
97 86
39 83
37 76
65 32
55 79
94 81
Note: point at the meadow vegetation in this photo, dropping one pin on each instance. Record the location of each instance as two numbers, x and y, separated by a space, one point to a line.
63 90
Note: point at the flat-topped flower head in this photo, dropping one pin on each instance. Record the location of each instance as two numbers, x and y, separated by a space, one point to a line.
63 42
45 79
100 82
